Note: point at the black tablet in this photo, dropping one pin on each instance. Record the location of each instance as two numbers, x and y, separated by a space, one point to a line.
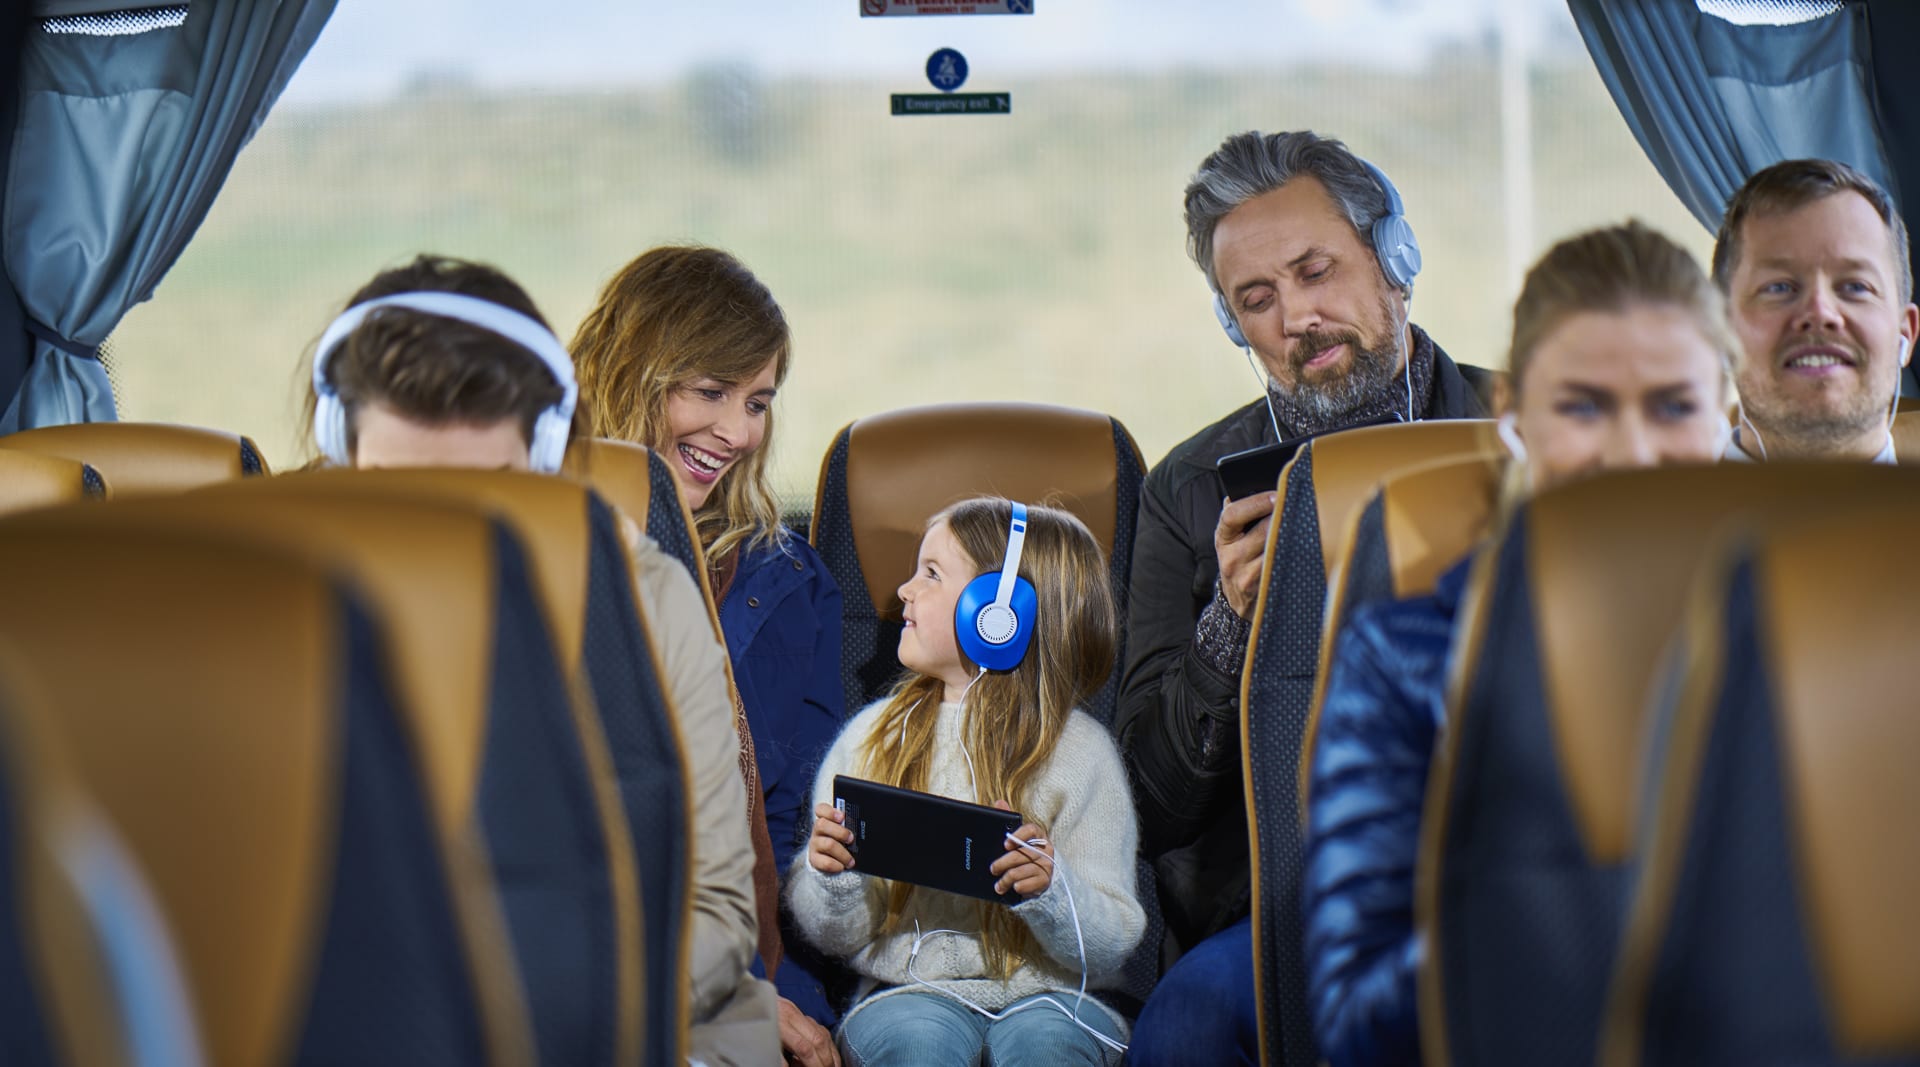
929 840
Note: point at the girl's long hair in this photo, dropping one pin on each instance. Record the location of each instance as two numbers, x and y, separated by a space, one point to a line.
1013 719
674 315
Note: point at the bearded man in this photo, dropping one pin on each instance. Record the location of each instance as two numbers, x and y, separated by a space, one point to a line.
1307 278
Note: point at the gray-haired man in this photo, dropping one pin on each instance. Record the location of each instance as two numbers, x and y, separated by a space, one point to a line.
1284 228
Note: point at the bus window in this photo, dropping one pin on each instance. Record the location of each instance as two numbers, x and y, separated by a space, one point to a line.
1035 255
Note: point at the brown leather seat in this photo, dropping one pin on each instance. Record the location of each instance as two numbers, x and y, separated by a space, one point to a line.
1534 800
29 480
146 457
71 901
447 584
635 480
1323 486
1420 522
1906 436
1772 916
580 568
886 474
226 707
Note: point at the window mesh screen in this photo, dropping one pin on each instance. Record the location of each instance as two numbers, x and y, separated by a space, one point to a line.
108 363
1770 12
118 23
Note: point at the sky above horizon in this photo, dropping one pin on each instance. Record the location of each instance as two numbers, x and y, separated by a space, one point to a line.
373 49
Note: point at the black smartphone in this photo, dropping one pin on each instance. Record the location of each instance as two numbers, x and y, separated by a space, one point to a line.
1257 470
923 838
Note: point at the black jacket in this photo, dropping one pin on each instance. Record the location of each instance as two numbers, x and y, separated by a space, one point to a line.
1178 718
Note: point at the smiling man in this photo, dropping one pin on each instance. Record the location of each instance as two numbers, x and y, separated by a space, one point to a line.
1288 229
1813 258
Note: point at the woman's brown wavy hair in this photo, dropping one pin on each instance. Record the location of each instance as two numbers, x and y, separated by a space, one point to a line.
674 315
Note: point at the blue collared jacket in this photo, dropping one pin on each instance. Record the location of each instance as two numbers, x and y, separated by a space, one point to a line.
1384 705
781 619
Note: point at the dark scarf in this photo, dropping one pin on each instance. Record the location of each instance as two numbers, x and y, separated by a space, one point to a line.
1297 422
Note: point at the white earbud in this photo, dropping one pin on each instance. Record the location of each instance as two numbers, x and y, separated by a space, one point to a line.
1510 436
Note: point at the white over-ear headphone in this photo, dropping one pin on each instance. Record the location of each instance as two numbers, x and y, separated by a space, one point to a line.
549 429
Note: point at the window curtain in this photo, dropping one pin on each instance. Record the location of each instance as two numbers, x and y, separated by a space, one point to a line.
120 144
1711 101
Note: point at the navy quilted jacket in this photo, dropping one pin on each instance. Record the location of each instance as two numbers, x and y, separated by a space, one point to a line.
1384 703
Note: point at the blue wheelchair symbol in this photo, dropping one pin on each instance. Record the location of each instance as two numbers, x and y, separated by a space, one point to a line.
947 70
1019 7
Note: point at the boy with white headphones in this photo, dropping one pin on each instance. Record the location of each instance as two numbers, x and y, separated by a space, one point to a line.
446 363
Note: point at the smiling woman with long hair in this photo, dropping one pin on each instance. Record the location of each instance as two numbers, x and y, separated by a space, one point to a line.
684 352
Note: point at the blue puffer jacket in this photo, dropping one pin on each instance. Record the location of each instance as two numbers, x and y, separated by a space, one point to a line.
781 618
1385 701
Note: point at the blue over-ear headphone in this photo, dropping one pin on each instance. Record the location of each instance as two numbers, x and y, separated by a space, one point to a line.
1393 244
993 619
550 429
1393 241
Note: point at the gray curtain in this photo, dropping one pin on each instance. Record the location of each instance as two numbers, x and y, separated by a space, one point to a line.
1711 102
121 144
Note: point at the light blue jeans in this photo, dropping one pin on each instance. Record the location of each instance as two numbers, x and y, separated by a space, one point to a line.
928 1030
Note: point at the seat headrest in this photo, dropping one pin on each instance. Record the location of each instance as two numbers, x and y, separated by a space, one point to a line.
427 571
196 685
146 457
1435 514
904 466
548 515
1608 563
1839 646
1348 466
29 480
1906 437
617 470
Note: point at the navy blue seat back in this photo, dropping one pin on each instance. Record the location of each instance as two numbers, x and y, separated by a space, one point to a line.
1532 825
1772 918
581 578
230 710
1320 489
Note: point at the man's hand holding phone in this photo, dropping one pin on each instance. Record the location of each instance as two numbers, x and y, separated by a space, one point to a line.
1240 543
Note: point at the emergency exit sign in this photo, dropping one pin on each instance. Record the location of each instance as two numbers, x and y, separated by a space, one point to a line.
884 8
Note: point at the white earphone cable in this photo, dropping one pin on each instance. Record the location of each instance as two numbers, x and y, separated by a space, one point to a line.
1080 945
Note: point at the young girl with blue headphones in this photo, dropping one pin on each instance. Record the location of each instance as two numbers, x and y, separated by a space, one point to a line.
1009 627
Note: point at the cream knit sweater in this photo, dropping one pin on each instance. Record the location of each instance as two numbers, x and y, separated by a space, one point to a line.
1080 797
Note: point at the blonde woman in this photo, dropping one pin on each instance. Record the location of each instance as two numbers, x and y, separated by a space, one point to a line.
1621 357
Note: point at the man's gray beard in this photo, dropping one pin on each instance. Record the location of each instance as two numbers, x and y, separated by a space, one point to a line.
1366 390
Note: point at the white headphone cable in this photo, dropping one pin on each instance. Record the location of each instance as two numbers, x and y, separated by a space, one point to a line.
1080 945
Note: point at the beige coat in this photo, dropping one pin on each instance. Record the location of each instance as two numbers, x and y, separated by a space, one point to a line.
735 1016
